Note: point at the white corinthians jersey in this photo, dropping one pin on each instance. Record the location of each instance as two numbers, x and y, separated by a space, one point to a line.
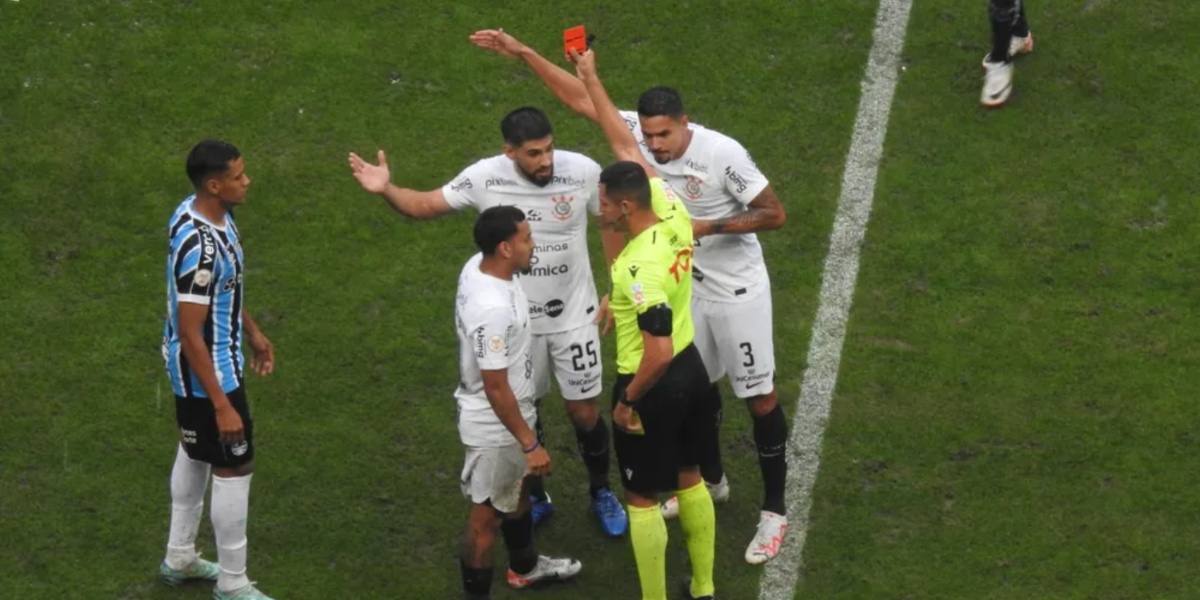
492 320
717 178
561 291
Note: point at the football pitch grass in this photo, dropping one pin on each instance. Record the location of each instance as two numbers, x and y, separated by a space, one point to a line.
1015 414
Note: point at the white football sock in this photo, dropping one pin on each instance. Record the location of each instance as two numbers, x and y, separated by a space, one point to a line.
230 504
189 480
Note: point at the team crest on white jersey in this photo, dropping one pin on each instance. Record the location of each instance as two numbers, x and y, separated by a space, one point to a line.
692 187
563 207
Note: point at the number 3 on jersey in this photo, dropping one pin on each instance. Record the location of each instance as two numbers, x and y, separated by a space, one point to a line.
683 263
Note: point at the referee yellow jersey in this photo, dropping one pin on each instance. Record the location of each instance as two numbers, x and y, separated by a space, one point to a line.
654 268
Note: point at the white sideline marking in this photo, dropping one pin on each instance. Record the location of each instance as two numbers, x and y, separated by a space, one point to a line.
779 577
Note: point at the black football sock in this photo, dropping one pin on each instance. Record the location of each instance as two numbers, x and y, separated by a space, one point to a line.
711 468
477 582
518 539
1004 15
1021 28
536 486
770 435
593 447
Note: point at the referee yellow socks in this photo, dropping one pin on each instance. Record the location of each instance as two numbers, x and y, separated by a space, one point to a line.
648 531
699 523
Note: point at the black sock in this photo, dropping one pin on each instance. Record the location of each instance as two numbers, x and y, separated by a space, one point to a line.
711 468
1004 15
518 539
770 435
536 486
477 583
593 447
1021 28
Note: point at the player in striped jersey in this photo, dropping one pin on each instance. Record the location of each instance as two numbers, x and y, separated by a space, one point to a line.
202 346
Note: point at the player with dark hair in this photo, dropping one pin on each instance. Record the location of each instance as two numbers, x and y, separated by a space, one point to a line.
1010 37
660 425
202 344
555 189
729 200
496 407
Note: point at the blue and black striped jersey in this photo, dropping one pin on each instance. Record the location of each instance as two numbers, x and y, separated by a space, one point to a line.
204 266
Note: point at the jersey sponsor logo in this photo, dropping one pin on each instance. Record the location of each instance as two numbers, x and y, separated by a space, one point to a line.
549 270
695 166
752 379
551 309
480 343
495 343
497 182
533 214
692 188
683 263
203 277
560 247
633 269
462 184
563 207
231 283
736 179
567 180
631 123
592 381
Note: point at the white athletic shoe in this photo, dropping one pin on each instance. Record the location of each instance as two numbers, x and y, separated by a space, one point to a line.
768 539
997 83
719 493
547 569
1018 45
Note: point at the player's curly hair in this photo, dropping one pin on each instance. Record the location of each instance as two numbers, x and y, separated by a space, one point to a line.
495 225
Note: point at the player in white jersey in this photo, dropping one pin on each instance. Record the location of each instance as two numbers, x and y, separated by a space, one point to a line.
556 189
496 407
729 200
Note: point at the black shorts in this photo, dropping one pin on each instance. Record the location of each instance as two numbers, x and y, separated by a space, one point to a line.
197 422
678 428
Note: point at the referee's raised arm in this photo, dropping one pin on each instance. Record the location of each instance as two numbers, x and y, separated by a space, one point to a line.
624 145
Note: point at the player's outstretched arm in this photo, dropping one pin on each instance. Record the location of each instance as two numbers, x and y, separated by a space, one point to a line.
565 86
624 145
410 203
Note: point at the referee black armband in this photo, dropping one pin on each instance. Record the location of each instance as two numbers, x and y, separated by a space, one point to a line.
656 320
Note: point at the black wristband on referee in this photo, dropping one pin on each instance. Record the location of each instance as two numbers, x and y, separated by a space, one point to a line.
623 399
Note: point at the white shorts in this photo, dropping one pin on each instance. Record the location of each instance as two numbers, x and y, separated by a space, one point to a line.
575 354
735 339
494 474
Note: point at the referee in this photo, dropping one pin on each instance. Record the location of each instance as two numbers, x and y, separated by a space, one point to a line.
661 430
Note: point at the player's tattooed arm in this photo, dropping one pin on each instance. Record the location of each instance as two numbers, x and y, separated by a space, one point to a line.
764 213
565 86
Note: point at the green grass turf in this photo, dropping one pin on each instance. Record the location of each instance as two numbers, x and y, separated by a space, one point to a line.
1013 417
